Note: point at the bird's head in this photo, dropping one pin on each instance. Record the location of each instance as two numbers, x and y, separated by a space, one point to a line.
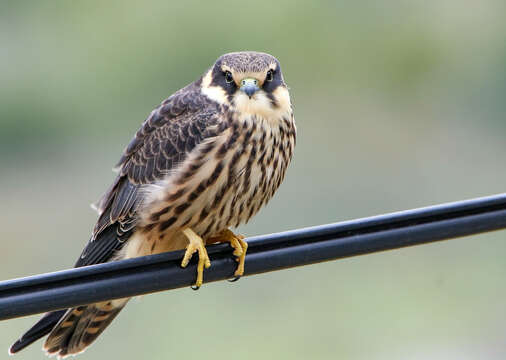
248 82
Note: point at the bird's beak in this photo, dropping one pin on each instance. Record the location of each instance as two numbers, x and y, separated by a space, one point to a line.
249 86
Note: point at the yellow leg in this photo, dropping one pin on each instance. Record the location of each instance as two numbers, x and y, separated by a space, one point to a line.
196 244
238 244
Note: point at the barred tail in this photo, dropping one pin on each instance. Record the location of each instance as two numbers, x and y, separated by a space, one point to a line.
80 326
41 328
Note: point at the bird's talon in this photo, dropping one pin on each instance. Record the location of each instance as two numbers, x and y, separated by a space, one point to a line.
196 245
240 247
234 279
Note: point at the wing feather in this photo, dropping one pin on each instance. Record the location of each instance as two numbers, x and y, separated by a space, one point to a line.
165 138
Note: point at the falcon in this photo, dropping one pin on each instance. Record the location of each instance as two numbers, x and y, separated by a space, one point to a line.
206 159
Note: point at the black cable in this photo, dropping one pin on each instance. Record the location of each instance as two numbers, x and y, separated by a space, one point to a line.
68 288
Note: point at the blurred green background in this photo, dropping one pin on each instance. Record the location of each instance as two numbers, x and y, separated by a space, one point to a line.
399 104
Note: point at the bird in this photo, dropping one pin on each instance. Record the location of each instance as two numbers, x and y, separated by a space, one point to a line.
204 161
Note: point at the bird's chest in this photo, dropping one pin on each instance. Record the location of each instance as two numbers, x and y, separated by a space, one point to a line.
254 157
227 179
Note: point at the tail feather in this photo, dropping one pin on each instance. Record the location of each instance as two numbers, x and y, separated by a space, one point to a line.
40 329
80 326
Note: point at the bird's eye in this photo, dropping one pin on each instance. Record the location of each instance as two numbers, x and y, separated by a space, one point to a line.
270 75
228 77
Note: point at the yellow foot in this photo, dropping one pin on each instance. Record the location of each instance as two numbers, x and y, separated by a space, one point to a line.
196 244
238 244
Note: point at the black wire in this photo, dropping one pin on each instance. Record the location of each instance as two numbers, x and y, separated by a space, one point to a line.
69 288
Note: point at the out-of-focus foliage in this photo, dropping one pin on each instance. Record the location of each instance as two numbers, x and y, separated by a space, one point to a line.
399 104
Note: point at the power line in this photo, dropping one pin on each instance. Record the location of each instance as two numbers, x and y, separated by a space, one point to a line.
85 285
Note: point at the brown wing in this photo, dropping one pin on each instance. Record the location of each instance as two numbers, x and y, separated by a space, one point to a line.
170 132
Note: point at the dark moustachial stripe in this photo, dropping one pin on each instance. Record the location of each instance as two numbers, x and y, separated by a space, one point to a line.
270 86
272 99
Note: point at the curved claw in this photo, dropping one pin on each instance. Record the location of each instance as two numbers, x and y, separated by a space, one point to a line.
196 244
234 279
195 287
240 247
